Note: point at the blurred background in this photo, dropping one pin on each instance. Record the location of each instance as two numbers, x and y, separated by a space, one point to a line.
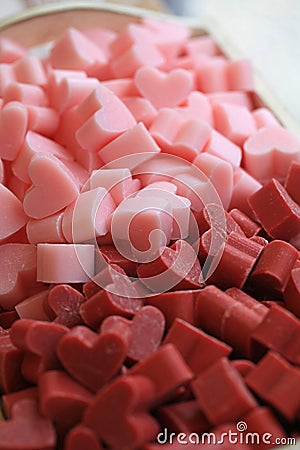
266 31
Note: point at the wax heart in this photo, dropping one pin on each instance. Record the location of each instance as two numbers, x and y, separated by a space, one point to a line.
197 106
146 329
65 302
134 425
10 365
12 213
176 268
39 342
82 437
13 127
17 273
53 187
164 90
27 429
92 359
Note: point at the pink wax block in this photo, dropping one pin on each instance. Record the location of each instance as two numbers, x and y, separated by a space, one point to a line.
47 230
164 90
72 91
270 151
118 182
32 307
7 76
240 75
212 75
222 147
34 144
201 44
28 94
109 121
196 106
244 185
234 121
88 217
13 127
10 50
264 117
219 173
141 109
65 263
13 217
18 273
74 51
233 97
136 140
43 120
30 70
52 180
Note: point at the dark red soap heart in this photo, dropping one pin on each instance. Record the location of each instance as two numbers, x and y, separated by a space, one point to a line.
80 438
11 357
112 256
176 268
39 342
92 359
27 429
66 301
127 425
9 400
214 216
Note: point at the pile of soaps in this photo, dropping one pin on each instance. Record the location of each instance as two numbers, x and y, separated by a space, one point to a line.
149 247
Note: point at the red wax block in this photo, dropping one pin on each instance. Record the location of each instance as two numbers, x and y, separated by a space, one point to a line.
167 371
92 359
65 302
198 349
62 399
292 292
214 216
292 181
104 304
119 415
279 331
237 252
277 383
243 366
228 319
183 417
11 378
112 256
176 268
82 437
273 268
177 304
276 211
222 394
39 341
249 227
27 429
9 400
263 422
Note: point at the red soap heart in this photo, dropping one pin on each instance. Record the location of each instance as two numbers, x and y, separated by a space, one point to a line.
10 365
27 429
39 342
119 415
81 437
146 330
65 302
176 268
92 359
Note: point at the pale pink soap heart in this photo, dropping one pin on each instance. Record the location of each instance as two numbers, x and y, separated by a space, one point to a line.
72 91
30 70
74 51
88 217
7 76
47 230
10 50
79 173
164 89
121 87
240 98
128 37
141 109
53 187
89 161
13 217
118 182
13 128
43 120
55 77
240 75
212 75
163 185
34 144
140 226
223 148
28 94
244 185
102 38
17 273
270 152
197 107
219 173
201 44
136 140
17 187
32 307
109 121
264 117
65 263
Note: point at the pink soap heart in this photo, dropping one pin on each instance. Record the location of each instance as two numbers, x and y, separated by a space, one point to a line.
27 429
92 359
164 90
12 213
53 187
13 127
